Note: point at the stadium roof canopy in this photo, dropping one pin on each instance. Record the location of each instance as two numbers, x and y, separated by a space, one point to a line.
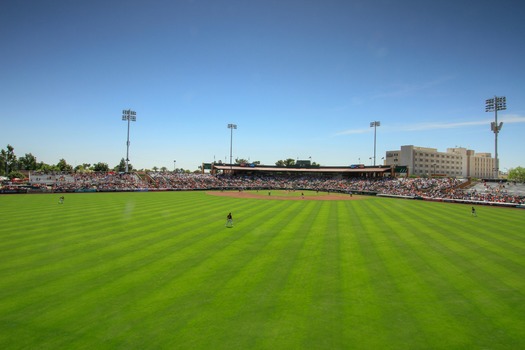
315 170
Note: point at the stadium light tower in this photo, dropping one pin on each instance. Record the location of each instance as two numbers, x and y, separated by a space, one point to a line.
375 125
129 116
494 105
231 127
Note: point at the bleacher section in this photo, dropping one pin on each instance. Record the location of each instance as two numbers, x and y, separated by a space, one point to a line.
445 189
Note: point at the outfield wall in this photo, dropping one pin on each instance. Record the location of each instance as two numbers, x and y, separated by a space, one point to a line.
460 201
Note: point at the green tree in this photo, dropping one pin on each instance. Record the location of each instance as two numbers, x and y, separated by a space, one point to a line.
28 162
8 160
63 166
2 163
46 167
86 167
121 167
101 167
287 162
241 161
16 175
517 174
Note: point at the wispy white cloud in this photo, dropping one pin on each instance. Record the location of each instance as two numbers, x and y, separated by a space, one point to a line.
512 118
507 119
437 126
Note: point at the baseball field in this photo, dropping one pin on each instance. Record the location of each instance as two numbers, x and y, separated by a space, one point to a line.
162 271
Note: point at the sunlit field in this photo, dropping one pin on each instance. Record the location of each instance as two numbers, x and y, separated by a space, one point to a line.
162 271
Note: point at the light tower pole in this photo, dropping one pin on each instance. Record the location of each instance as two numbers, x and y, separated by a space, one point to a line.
129 116
494 105
374 125
231 127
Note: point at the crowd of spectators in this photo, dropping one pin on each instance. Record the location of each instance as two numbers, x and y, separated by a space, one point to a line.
98 181
490 192
433 188
182 181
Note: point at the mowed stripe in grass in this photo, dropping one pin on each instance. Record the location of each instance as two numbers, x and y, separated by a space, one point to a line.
159 270
417 314
250 294
471 285
99 266
384 297
186 301
121 265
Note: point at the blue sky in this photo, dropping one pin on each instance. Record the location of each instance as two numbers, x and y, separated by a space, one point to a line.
300 79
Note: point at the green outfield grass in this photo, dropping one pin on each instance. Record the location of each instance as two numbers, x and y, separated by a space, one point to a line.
161 271
295 193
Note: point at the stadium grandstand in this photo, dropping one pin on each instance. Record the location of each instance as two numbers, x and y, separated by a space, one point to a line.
375 181
356 170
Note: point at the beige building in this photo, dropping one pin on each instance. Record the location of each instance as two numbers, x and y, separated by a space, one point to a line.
455 162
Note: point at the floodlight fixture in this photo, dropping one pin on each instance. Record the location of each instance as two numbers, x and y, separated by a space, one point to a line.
231 127
374 125
498 103
129 116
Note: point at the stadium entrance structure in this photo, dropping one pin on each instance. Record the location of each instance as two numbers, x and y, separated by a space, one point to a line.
328 171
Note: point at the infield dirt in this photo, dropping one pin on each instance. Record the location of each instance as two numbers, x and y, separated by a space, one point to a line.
296 197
